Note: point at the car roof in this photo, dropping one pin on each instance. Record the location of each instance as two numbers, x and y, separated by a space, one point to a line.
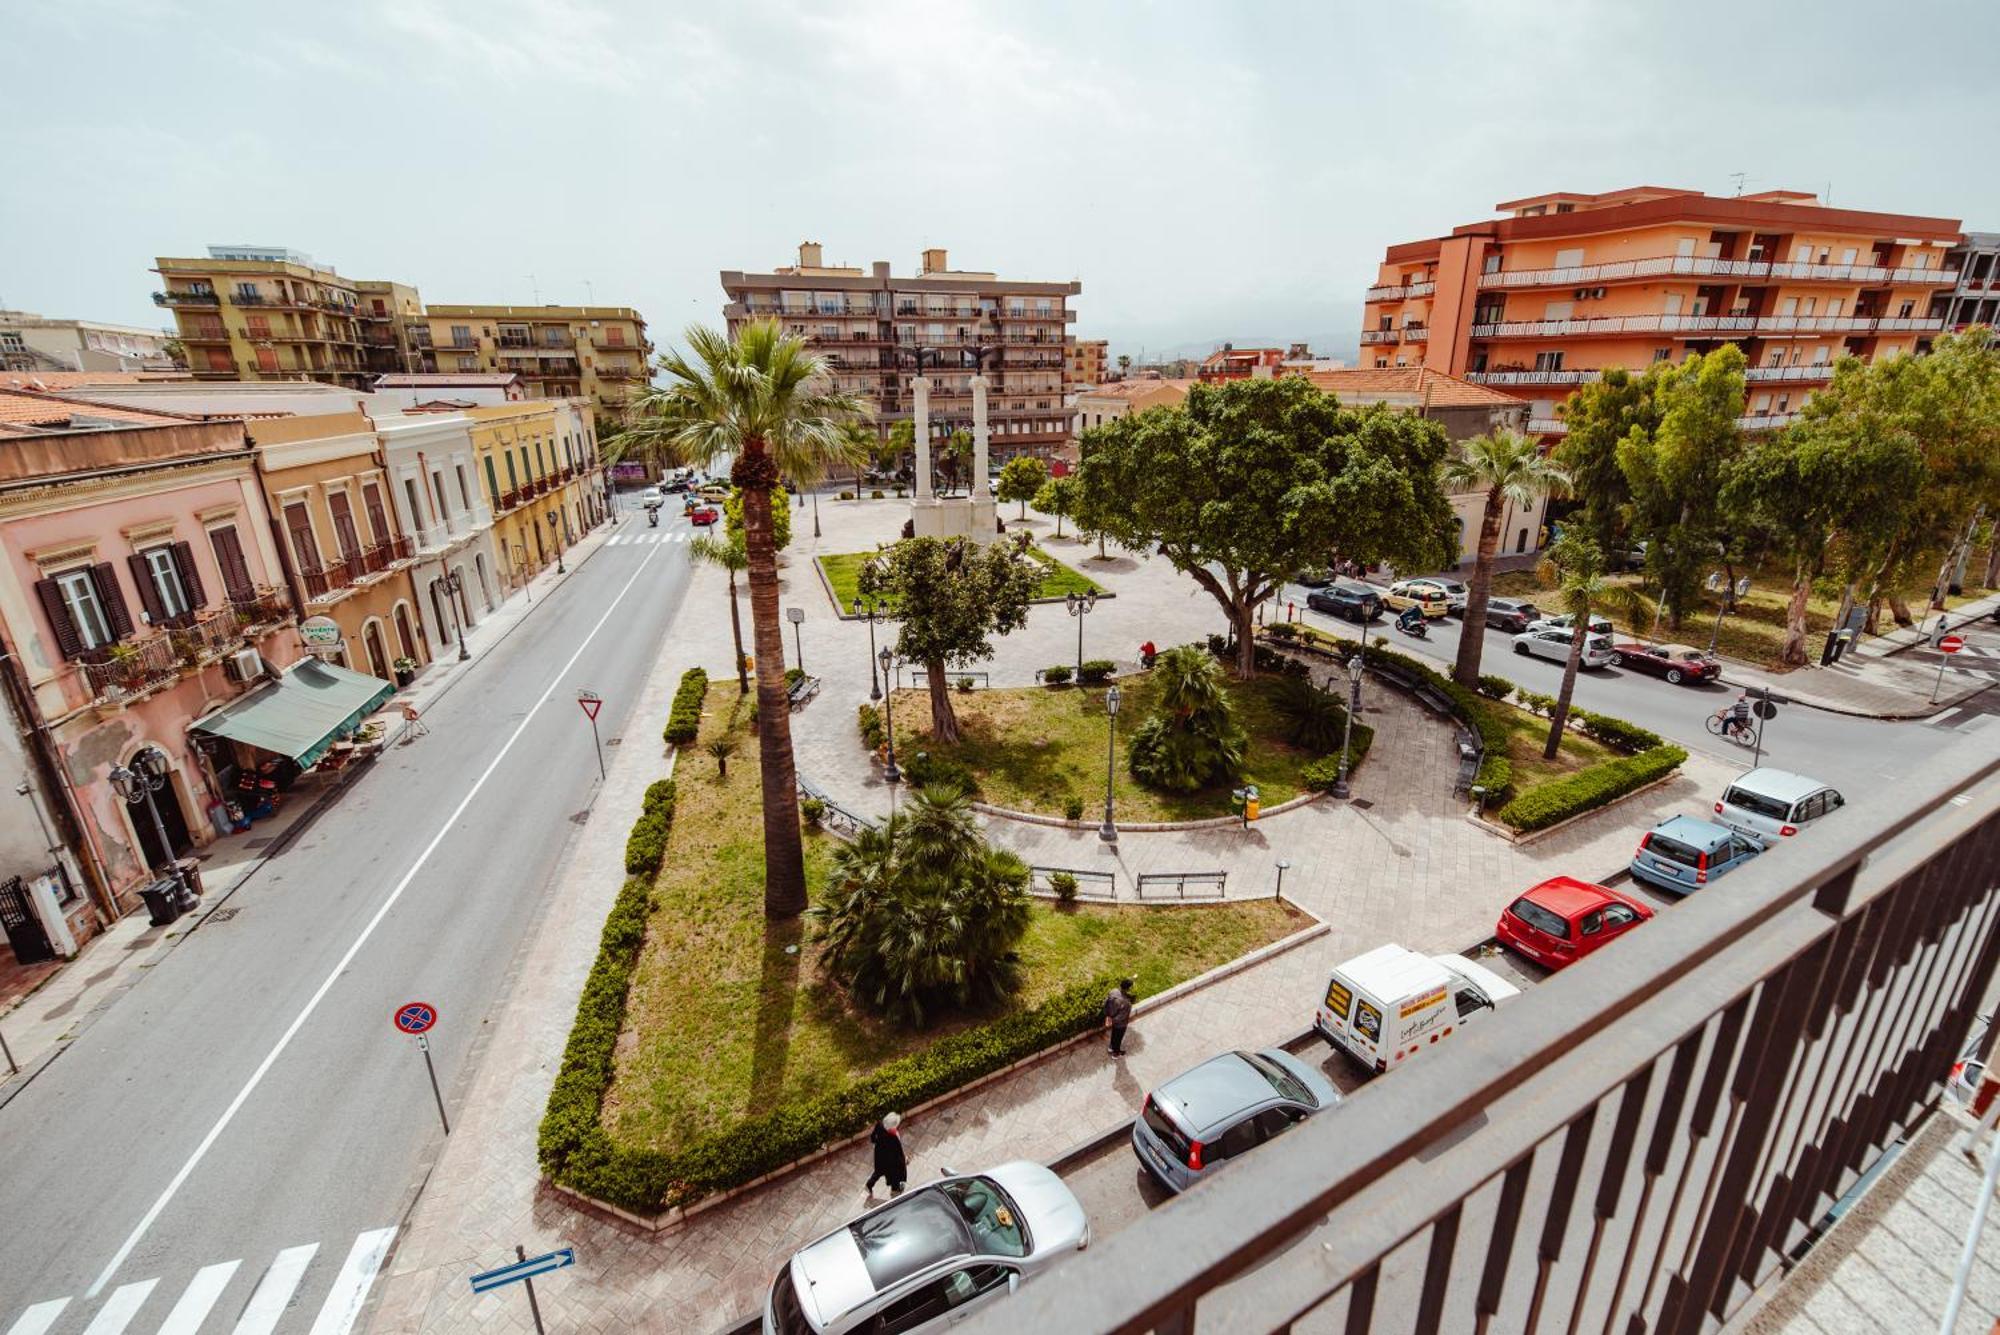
1353 586
1694 831
1214 1092
1568 896
1391 972
1779 783
881 1249
1680 650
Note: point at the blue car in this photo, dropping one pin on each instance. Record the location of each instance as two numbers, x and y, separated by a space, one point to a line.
1684 853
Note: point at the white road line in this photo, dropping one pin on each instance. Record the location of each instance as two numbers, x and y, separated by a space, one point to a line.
343 1303
39 1317
319 994
274 1291
199 1298
116 1314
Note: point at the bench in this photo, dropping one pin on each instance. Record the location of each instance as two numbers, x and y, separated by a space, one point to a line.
1471 755
802 690
1434 699
837 818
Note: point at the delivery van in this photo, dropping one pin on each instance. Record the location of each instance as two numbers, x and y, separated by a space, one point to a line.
1385 1006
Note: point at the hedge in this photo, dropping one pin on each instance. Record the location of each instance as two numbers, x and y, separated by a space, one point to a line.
684 719
1056 675
1557 800
1615 733
1320 774
647 844
577 1151
1095 670
1494 686
869 719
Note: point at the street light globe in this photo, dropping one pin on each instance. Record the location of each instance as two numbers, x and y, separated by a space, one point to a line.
1111 702
1354 669
885 658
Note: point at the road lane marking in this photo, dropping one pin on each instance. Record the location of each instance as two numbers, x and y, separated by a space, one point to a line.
312 1003
195 1303
274 1291
343 1303
117 1314
39 1317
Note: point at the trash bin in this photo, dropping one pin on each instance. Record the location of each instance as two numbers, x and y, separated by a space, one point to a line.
190 869
163 902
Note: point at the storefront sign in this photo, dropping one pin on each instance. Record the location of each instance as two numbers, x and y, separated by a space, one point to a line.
320 634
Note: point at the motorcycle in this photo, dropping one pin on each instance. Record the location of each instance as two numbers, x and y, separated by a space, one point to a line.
652 516
1415 628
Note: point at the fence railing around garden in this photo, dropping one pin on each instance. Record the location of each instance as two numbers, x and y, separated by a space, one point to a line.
922 677
836 819
1096 885
1183 884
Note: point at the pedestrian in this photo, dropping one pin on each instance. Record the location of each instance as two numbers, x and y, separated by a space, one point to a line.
890 1164
1118 1014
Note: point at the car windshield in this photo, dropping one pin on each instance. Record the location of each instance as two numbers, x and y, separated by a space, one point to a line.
1673 850
914 1234
787 1317
1599 644
1288 1085
1757 803
996 1226
1539 918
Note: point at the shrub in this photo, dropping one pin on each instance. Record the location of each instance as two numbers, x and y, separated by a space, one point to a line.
1073 808
846 495
927 770
1063 885
812 811
1616 733
1316 717
1191 740
1282 630
1320 774
1535 702
793 676
876 494
964 684
1586 790
1218 646
1095 670
869 719
659 794
684 718
646 845
1055 676
1495 687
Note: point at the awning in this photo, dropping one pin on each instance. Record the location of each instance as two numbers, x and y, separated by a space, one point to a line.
302 713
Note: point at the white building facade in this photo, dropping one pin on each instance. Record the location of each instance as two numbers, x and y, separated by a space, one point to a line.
439 500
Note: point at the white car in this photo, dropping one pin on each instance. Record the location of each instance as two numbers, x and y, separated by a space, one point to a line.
1598 625
1554 645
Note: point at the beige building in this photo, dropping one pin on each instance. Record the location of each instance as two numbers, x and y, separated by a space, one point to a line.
596 352
874 328
395 336
1098 404
264 313
1089 361
31 342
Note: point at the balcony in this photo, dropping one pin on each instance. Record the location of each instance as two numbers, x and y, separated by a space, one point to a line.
620 373
566 370
261 606
1532 377
1700 326
515 341
1703 266
1415 333
186 299
1385 335
323 581
1766 421
1757 375
204 336
1403 293
136 667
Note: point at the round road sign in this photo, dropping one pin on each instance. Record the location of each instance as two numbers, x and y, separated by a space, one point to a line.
1951 644
1764 709
415 1016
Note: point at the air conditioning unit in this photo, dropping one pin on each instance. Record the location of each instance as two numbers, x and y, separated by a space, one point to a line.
245 665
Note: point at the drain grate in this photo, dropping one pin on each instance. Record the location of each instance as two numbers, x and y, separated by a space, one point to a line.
221 915
1361 802
614 741
579 818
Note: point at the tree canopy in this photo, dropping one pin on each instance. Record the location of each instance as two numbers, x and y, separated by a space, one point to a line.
1020 479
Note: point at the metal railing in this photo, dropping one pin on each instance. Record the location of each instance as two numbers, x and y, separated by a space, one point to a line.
1379 336
919 677
138 665
1785 374
1643 1141
186 299
1091 884
1403 293
1206 884
1704 324
1533 377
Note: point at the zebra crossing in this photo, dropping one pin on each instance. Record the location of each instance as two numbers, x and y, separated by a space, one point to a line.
287 1284
635 539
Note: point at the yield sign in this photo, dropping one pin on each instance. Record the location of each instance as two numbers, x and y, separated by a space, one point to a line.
591 702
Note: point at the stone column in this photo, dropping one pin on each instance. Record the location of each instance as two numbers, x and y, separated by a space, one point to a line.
981 491
921 387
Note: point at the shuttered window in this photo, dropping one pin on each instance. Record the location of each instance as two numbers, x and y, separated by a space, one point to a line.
492 483
378 518
343 523
85 609
228 549
158 580
298 522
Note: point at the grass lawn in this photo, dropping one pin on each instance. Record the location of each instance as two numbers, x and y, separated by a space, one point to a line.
1034 748
722 1023
843 574
1529 734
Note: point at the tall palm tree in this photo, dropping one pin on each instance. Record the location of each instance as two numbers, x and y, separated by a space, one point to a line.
726 554
1576 567
767 402
1507 466
862 444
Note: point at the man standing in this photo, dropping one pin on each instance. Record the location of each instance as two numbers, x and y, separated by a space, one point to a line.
890 1163
1118 1014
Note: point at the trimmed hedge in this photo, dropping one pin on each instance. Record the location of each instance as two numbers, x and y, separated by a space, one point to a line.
1535 702
1057 674
1586 790
869 720
684 719
646 846
1095 670
1494 686
1320 774
1615 733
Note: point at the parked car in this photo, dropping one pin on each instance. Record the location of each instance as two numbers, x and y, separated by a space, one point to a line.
1511 614
923 1259
1771 804
1554 644
1313 577
704 515
1684 853
675 487
1391 1003
1563 919
1970 1068
1598 624
1678 663
1453 590
714 491
1195 1123
1417 593
1347 598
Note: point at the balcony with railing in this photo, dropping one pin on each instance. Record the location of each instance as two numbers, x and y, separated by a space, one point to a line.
1557 377
1705 266
1378 336
177 297
1758 375
1702 326
1645 1142
1404 292
1752 421
138 666
1415 333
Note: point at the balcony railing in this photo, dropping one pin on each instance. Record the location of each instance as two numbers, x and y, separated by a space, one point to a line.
1381 335
1415 333
1702 266
1533 377
186 299
1403 293
1765 421
136 666
1788 374
1641 1141
261 607
1700 325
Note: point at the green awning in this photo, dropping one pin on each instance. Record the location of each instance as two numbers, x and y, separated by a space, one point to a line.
302 713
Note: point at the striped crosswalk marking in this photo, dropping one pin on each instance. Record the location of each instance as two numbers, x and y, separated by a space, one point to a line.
343 1303
39 1317
195 1303
120 1308
274 1291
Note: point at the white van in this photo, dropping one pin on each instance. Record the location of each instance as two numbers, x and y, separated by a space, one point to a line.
1386 1005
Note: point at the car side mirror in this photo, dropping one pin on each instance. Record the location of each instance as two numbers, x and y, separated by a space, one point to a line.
947 1172
1013 1280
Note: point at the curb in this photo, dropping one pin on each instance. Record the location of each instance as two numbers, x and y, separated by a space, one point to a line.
1520 840
1793 697
1148 827
842 614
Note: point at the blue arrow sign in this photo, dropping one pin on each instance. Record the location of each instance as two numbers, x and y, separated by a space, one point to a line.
515 1271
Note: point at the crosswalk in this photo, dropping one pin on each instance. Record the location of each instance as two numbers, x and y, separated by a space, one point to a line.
287 1285
634 539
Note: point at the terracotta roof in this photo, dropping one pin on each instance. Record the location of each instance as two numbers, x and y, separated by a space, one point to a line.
25 412
56 380
441 380
1125 389
1408 386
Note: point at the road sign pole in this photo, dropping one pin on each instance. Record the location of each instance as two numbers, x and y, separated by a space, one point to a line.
424 1044
594 741
1947 645
534 1308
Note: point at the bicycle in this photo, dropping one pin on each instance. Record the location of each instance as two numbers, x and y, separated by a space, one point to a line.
1720 725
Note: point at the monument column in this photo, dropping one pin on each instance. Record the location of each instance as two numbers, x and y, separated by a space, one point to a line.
981 491
921 388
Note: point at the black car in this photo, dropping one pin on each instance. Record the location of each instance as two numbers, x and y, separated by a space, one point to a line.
1511 614
1346 598
1313 578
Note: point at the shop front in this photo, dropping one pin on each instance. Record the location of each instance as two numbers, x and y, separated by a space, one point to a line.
302 730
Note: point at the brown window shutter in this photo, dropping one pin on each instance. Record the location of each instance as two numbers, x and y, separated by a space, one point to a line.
68 641
115 611
149 595
190 577
235 570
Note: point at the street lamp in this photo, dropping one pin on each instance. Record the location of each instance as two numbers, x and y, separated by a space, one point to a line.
146 776
873 615
1080 605
1718 582
555 519
797 616
1354 670
452 585
890 774
1109 834
1283 867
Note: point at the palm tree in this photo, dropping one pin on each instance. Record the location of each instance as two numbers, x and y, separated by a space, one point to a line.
1576 567
1507 466
728 554
863 446
767 402
721 749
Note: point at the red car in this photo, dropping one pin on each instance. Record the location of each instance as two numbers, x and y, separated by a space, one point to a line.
1678 663
704 516
1563 919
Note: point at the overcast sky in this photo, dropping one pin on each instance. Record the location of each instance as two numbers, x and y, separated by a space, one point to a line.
1209 171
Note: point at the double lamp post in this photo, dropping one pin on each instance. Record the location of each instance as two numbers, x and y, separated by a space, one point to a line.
136 783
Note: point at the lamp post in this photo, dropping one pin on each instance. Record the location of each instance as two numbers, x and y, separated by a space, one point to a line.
452 585
1109 834
1283 867
797 616
890 774
1354 669
137 783
554 536
873 615
1080 605
1718 582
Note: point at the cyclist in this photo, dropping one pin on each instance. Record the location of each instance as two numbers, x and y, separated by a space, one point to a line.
1737 718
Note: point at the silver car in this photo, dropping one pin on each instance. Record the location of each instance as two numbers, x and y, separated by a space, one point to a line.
924 1259
1554 644
1197 1122
1770 805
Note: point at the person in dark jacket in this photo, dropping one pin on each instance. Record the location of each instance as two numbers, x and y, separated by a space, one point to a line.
890 1164
1118 1014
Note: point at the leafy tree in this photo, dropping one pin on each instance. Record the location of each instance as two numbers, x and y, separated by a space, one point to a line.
1192 739
727 554
1124 365
1576 567
763 400
1248 481
863 445
1507 466
1598 416
1057 497
902 445
923 913
732 520
175 351
1021 479
953 596
954 459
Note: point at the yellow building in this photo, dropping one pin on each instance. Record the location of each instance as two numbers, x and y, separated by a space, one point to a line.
395 336
263 313
1088 360
596 352
539 463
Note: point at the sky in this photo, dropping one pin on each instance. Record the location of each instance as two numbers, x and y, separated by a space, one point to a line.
1209 171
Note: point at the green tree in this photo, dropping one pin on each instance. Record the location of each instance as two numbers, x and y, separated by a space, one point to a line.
1057 497
1192 739
727 555
1021 479
1251 480
863 445
761 399
1596 418
1506 466
1576 567
732 520
953 596
1124 365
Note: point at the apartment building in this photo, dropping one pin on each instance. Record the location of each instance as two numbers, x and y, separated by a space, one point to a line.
31 342
1564 285
1089 361
1976 298
596 352
875 329
395 336
1098 404
1230 362
544 480
264 313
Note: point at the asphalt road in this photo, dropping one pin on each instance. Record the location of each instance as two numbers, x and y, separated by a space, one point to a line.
248 1099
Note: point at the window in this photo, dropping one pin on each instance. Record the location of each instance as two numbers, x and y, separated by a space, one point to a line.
1592 923
1789 306
1833 306
513 481
1490 264
1467 1001
461 336
492 484
1684 246
464 492
246 292
1846 256
298 523
1619 915
378 520
228 549
444 506
1662 354
1903 312
468 363
1569 258
1548 361
1238 1139
161 591
86 609
343 523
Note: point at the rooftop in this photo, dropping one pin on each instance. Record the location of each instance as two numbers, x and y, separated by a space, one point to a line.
1408 386
445 380
28 412
50 381
1127 389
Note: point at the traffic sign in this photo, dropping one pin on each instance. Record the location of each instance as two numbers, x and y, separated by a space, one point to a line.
413 1017
591 702
1951 644
515 1271
1764 709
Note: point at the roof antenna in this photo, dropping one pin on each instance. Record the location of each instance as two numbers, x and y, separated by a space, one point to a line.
1739 178
537 286
1827 198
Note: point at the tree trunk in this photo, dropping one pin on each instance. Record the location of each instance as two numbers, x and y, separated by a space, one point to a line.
1472 635
1059 520
1729 589
1900 609
1992 580
736 629
1559 716
784 852
1100 546
1794 652
1873 625
944 722
1246 643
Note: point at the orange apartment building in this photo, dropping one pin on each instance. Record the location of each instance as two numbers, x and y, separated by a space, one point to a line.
1544 299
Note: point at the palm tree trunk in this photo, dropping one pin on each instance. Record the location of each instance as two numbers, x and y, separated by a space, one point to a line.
784 851
736 629
1559 716
944 720
1472 634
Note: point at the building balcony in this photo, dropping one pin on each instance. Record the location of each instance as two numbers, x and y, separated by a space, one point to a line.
1707 326
620 373
204 336
1767 375
514 341
1764 421
186 299
140 666
1403 293
1503 378
1703 266
1384 335
1415 333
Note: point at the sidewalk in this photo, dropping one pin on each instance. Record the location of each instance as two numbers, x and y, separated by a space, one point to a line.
1893 676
